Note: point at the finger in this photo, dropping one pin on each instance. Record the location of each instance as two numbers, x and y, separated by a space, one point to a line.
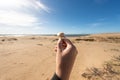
59 45
55 49
68 42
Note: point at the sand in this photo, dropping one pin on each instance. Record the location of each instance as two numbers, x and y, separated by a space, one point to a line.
33 57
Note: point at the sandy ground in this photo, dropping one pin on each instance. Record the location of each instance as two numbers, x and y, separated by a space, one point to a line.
33 57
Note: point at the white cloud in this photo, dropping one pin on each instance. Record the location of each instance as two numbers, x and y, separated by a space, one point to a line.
13 18
21 30
97 24
40 5
17 15
17 4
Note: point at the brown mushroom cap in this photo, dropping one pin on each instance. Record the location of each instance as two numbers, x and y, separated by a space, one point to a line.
61 35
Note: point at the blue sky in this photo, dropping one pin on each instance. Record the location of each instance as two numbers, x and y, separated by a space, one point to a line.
52 16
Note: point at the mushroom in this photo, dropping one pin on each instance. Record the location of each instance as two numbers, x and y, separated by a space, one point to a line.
61 35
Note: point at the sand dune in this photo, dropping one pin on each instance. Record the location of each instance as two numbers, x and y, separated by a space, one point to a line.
33 57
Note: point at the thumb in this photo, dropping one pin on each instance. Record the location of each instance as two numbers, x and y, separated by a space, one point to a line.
59 46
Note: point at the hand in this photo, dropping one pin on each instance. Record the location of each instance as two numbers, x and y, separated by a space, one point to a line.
65 56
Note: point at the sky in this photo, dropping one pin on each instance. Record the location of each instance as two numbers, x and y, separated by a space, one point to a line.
53 16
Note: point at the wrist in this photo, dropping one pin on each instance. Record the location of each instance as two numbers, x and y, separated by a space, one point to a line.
62 74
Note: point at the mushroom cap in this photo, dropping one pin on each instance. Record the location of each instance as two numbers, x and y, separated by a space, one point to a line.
61 34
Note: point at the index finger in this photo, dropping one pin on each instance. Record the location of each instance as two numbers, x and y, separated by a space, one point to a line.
68 42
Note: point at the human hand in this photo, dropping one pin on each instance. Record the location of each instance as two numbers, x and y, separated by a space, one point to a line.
65 56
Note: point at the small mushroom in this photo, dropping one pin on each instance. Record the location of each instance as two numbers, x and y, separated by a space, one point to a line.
61 35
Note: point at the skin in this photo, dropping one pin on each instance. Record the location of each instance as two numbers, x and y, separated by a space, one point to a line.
65 57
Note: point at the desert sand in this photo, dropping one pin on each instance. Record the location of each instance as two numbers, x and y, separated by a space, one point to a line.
33 57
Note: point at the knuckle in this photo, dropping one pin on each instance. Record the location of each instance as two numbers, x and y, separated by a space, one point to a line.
73 46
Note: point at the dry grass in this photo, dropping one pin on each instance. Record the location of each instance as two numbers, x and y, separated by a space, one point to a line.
109 71
12 39
85 39
9 39
54 40
110 39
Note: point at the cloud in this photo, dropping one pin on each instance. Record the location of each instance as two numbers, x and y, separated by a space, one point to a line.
21 30
93 25
40 5
21 14
20 4
96 24
12 18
